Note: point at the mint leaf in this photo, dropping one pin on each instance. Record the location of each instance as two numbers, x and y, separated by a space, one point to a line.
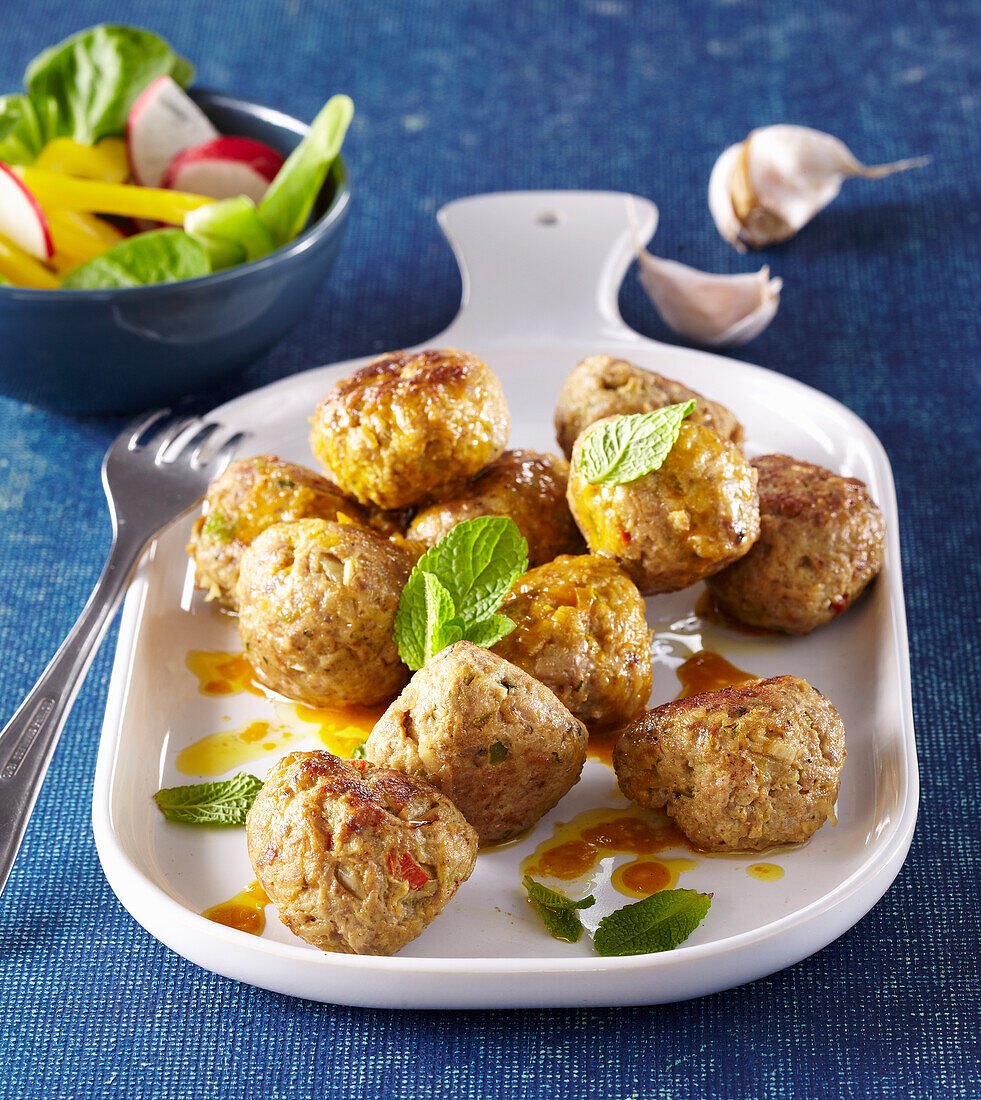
223 803
441 627
489 631
457 585
558 912
478 562
658 923
627 447
424 622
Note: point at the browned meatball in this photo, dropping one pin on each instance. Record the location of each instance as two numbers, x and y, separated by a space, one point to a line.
527 486
602 386
679 524
580 629
356 859
739 769
821 541
317 612
248 497
411 425
495 741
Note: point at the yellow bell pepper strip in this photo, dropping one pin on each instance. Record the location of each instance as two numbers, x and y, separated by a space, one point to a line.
79 236
57 192
106 160
22 269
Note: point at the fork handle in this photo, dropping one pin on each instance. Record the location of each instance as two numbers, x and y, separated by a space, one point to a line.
28 740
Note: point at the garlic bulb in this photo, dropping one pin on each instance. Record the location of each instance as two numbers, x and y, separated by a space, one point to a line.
718 310
769 186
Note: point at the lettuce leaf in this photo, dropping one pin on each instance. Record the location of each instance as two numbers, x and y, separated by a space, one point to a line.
93 78
163 256
285 207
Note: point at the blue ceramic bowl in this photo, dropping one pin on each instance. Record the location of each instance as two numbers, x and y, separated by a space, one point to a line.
105 351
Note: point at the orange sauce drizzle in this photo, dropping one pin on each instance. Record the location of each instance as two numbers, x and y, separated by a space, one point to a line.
245 911
221 673
708 671
765 872
577 847
339 729
219 752
644 877
601 742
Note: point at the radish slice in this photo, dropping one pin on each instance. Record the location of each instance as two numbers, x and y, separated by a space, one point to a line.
224 168
21 218
162 121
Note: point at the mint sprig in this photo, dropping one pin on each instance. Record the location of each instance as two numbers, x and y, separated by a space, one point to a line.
223 803
658 923
558 912
627 447
457 585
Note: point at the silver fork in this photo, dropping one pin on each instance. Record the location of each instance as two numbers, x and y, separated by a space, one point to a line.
149 481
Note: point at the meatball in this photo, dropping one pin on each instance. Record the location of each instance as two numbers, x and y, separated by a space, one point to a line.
739 769
580 629
495 741
525 485
602 386
317 612
356 859
821 541
410 426
668 529
248 497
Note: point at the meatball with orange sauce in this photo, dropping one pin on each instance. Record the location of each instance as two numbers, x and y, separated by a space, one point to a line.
527 486
580 630
251 495
670 528
411 426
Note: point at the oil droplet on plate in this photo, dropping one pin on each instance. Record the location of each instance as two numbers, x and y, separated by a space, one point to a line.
765 872
245 911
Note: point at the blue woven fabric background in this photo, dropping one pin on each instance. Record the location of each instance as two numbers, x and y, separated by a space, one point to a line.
881 310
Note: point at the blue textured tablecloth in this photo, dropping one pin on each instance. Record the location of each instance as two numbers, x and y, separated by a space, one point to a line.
881 310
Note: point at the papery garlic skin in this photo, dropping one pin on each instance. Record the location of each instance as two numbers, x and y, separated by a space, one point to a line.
769 186
717 310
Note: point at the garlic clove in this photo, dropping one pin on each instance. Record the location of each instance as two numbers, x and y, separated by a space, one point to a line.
769 186
718 310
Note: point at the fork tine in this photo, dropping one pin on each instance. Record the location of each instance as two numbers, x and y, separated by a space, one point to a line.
172 432
139 428
195 445
224 455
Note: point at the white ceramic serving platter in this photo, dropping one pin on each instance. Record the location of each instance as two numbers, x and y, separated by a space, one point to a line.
541 273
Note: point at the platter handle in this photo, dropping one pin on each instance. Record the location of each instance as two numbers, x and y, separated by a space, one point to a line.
540 267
